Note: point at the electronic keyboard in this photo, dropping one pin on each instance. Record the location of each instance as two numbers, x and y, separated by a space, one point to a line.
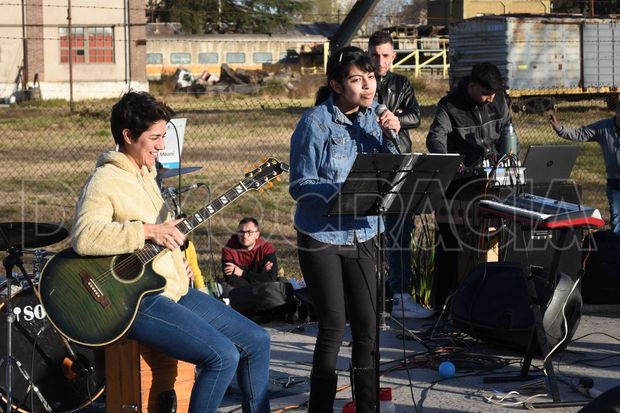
543 212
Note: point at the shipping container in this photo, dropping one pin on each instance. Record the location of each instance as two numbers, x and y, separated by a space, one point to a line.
444 12
542 57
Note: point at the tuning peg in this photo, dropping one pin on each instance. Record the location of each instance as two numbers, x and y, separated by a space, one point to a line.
261 190
279 179
263 159
270 185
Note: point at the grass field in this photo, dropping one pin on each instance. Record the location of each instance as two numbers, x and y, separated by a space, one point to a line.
47 152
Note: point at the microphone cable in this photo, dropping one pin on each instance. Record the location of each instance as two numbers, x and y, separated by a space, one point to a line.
178 141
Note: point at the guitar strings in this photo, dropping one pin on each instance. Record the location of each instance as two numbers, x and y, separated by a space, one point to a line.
144 255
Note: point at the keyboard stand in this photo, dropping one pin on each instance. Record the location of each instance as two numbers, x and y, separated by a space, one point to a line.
538 332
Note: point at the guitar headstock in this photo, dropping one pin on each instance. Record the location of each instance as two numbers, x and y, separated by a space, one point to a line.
264 173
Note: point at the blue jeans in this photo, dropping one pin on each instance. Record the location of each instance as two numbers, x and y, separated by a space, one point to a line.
203 331
398 240
613 196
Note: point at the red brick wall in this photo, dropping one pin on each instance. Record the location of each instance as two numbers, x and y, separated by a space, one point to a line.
137 28
34 34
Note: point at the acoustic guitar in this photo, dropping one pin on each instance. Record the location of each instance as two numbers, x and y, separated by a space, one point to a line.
93 300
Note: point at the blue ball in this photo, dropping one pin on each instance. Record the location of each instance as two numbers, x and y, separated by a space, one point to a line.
447 369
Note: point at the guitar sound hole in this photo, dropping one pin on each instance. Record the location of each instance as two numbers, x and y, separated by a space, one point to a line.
127 267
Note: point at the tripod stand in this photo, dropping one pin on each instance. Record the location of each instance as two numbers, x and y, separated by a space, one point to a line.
13 259
14 237
386 183
10 261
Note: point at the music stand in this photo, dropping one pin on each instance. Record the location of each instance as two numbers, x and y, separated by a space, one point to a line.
396 184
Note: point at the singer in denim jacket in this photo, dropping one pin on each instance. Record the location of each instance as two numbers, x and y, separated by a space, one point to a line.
337 254
323 149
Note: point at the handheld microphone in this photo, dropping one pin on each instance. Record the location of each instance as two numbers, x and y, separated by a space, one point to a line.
390 134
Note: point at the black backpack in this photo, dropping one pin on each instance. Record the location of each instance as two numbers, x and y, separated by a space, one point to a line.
269 301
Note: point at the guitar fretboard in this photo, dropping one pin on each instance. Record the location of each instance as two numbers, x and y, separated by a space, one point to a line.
194 220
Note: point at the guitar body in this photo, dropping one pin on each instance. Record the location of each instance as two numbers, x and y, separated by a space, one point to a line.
94 300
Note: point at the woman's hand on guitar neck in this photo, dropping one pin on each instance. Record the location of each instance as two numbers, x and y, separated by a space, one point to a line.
165 234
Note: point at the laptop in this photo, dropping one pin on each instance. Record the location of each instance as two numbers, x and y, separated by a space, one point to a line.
547 163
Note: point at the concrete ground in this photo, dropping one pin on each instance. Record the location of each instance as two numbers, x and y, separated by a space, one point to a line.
593 353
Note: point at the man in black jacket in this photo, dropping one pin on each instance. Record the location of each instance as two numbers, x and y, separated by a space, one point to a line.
397 94
469 121
394 90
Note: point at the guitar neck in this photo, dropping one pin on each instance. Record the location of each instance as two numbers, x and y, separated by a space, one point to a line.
193 221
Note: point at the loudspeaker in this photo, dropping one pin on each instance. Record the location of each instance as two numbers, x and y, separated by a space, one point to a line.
492 304
608 402
536 247
601 282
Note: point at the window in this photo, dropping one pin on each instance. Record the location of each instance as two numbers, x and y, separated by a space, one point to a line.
88 44
208 58
180 58
262 57
235 57
100 49
154 58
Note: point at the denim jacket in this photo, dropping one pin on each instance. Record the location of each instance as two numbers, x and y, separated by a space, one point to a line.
323 149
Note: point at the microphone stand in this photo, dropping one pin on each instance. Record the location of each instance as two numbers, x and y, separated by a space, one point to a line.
10 261
171 195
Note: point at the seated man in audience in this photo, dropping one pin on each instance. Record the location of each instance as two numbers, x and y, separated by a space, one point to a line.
247 258
251 281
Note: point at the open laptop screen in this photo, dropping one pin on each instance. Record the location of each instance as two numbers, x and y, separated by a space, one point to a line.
547 163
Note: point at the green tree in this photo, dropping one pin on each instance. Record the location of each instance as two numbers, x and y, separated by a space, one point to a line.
234 16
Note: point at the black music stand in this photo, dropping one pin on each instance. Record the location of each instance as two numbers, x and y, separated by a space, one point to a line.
394 184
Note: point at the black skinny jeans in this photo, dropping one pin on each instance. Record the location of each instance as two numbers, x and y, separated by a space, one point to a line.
335 275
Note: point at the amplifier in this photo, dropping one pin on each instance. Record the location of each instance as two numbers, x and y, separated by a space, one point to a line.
535 247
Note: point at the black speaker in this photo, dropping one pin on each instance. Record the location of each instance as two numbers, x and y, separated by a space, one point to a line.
608 402
492 304
536 247
601 283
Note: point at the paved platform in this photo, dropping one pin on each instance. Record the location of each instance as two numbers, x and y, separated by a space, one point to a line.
593 353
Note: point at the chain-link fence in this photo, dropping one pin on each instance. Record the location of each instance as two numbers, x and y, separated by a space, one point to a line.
47 152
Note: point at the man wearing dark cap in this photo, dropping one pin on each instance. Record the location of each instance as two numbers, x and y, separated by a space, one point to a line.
469 121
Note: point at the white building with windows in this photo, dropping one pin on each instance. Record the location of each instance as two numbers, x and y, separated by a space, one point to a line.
91 50
300 47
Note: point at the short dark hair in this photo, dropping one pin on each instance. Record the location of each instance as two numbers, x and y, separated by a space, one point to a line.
339 65
488 76
136 111
380 37
247 220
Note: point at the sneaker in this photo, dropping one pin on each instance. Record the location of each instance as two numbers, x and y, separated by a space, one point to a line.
404 304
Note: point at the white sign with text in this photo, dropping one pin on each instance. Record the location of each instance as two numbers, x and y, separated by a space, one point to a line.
170 157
